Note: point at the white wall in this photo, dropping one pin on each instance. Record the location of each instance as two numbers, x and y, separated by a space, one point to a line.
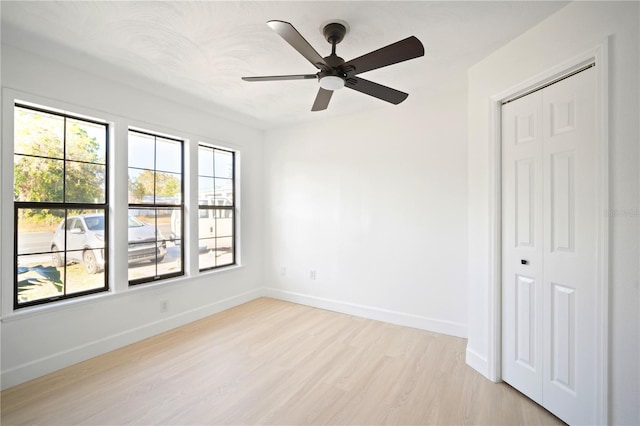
41 339
376 204
573 30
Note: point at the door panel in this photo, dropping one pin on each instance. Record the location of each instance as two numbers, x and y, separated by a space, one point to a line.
525 218
563 336
570 248
522 241
562 195
525 322
549 246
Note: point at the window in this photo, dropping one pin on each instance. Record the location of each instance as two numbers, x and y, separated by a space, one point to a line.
155 207
60 172
216 207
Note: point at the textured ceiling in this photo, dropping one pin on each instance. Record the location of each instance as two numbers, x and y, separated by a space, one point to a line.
196 52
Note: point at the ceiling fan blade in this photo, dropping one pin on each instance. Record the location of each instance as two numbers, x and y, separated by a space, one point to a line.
376 90
403 50
282 77
295 39
322 100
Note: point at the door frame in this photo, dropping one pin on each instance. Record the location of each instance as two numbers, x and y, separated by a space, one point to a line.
599 56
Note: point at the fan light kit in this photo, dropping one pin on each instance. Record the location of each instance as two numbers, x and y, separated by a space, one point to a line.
331 82
335 73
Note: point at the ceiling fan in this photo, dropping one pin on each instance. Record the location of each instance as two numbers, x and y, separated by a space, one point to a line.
335 73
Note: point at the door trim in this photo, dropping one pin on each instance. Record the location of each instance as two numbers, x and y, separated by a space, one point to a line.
598 55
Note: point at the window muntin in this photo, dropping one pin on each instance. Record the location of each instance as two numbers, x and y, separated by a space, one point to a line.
155 207
60 174
216 207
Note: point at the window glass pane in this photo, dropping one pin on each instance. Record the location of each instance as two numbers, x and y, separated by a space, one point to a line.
224 251
86 141
153 249
224 224
223 164
141 186
224 191
168 155
206 193
215 252
141 271
38 133
171 263
168 188
205 161
85 183
79 279
163 222
37 179
175 227
36 229
143 243
207 256
206 223
84 229
38 279
141 151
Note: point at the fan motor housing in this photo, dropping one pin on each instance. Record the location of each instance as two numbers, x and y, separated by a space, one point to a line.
334 61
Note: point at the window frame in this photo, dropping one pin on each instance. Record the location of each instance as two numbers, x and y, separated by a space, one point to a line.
159 206
64 205
218 208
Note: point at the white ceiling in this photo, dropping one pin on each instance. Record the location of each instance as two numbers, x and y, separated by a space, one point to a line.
196 52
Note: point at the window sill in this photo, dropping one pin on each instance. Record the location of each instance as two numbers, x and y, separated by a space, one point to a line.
54 307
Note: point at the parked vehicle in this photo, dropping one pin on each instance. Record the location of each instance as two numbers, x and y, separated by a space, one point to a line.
85 242
208 226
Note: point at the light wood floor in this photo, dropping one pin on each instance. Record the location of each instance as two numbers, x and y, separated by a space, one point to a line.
273 362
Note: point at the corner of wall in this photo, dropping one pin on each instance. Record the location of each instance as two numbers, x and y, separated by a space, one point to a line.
478 362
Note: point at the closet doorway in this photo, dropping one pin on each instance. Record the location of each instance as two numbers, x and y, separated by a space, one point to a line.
550 246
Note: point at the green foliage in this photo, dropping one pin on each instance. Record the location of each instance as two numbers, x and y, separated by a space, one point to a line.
167 185
40 217
47 170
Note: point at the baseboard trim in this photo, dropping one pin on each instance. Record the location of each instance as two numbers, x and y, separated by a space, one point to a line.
400 318
39 367
477 362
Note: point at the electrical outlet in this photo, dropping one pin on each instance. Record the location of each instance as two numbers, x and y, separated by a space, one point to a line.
312 275
283 271
164 306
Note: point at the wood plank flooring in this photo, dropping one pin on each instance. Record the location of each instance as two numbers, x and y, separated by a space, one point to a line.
273 362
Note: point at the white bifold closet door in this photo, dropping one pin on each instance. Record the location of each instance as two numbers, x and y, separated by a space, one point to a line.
549 246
